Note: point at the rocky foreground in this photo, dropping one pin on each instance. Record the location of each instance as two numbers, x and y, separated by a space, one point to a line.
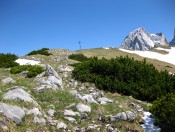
54 101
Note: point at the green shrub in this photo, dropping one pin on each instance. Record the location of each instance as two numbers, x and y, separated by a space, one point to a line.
43 51
7 60
79 57
32 70
126 76
164 112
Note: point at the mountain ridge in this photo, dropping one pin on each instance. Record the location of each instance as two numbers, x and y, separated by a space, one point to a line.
140 39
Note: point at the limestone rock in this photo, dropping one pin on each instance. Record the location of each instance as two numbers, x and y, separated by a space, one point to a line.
71 119
73 92
51 72
8 80
34 111
97 95
71 113
89 98
52 121
105 100
42 88
65 68
136 107
128 115
61 125
83 108
109 128
39 120
3 125
72 104
14 113
121 116
49 77
18 94
51 112
55 81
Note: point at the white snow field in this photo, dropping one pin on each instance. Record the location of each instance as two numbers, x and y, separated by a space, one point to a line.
148 125
27 62
169 58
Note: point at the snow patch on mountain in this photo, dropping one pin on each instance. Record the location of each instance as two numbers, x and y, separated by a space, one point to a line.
169 58
27 62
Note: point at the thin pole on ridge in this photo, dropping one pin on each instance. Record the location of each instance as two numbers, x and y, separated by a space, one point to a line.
79 42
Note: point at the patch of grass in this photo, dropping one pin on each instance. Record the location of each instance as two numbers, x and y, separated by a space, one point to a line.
162 46
34 127
164 52
60 99
168 66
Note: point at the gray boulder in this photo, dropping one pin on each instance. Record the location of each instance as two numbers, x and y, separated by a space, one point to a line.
50 71
14 113
83 108
109 128
73 92
39 120
51 112
89 98
42 88
65 68
130 116
97 95
105 100
121 116
18 94
61 125
52 121
34 111
50 78
3 125
71 113
56 82
136 107
126 116
71 119
8 80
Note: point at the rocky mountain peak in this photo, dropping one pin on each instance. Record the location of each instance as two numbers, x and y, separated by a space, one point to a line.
172 42
140 39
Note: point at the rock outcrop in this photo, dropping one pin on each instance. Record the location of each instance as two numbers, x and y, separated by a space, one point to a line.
48 79
126 116
14 113
18 94
8 80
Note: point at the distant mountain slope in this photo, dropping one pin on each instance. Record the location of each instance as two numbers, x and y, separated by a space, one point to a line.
139 39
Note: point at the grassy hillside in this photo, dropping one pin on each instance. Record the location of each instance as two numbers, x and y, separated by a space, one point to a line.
60 99
111 53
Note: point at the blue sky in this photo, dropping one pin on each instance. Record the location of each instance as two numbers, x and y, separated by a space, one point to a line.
27 25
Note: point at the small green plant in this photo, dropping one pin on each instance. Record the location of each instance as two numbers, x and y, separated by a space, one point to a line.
7 60
79 57
32 70
43 51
